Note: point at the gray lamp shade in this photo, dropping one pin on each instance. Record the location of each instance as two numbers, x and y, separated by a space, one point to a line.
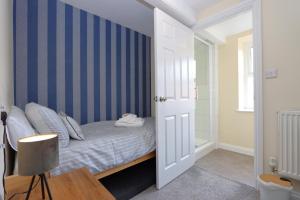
37 154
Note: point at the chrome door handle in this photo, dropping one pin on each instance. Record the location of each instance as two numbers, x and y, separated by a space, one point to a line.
162 99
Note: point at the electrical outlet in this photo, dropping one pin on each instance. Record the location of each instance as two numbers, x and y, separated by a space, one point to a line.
272 161
271 73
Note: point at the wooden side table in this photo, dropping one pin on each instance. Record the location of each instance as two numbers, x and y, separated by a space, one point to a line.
79 184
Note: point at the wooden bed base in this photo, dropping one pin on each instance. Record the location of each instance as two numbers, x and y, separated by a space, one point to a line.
125 166
14 180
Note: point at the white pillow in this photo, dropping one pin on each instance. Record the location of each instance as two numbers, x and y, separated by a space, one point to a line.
18 127
45 120
73 127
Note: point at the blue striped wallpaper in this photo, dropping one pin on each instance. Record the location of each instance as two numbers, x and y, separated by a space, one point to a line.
79 63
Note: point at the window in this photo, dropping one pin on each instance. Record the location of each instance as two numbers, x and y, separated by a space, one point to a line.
246 74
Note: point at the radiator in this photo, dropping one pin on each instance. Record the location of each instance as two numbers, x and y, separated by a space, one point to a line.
289 144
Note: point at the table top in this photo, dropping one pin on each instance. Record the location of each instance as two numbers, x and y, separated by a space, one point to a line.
79 184
275 179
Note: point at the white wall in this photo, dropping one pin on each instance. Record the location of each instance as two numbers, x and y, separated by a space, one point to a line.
6 67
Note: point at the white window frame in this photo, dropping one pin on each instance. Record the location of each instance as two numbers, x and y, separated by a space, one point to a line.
245 72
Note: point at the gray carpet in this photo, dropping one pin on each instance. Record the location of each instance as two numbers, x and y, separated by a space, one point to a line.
198 184
231 165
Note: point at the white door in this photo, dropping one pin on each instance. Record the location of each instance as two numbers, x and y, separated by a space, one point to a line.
175 97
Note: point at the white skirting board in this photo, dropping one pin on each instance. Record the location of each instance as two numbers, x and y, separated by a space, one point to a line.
237 149
204 150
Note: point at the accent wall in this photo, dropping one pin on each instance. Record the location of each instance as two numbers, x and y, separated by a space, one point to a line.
79 63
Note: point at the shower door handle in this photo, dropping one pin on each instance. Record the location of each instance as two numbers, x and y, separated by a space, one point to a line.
196 93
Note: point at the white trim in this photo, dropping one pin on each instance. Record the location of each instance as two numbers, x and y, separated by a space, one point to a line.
203 41
205 149
204 34
237 149
258 89
177 9
228 13
255 6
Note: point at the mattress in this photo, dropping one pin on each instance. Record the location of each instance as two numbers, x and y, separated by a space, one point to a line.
106 146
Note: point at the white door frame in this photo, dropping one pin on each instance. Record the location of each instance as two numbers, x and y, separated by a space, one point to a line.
255 6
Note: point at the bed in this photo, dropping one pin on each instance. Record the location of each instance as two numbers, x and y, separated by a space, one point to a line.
106 149
106 146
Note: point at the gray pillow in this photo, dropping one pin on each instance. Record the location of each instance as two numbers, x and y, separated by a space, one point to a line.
46 120
18 127
73 127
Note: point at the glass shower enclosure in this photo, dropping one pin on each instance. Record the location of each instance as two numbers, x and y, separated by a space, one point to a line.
203 110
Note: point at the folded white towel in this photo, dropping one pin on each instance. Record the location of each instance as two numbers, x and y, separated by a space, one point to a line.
130 120
122 124
129 115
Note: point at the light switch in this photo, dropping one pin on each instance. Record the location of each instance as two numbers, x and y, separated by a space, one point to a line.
271 73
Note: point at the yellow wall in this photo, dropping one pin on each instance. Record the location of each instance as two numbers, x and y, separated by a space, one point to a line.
281 50
235 128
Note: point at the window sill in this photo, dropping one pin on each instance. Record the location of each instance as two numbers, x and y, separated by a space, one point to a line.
245 110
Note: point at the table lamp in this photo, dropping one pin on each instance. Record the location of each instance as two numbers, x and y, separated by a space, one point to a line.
36 155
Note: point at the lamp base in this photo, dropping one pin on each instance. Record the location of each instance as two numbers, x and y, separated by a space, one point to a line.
44 183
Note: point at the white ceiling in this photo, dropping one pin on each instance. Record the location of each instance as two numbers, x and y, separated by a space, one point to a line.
235 25
138 15
198 5
129 13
